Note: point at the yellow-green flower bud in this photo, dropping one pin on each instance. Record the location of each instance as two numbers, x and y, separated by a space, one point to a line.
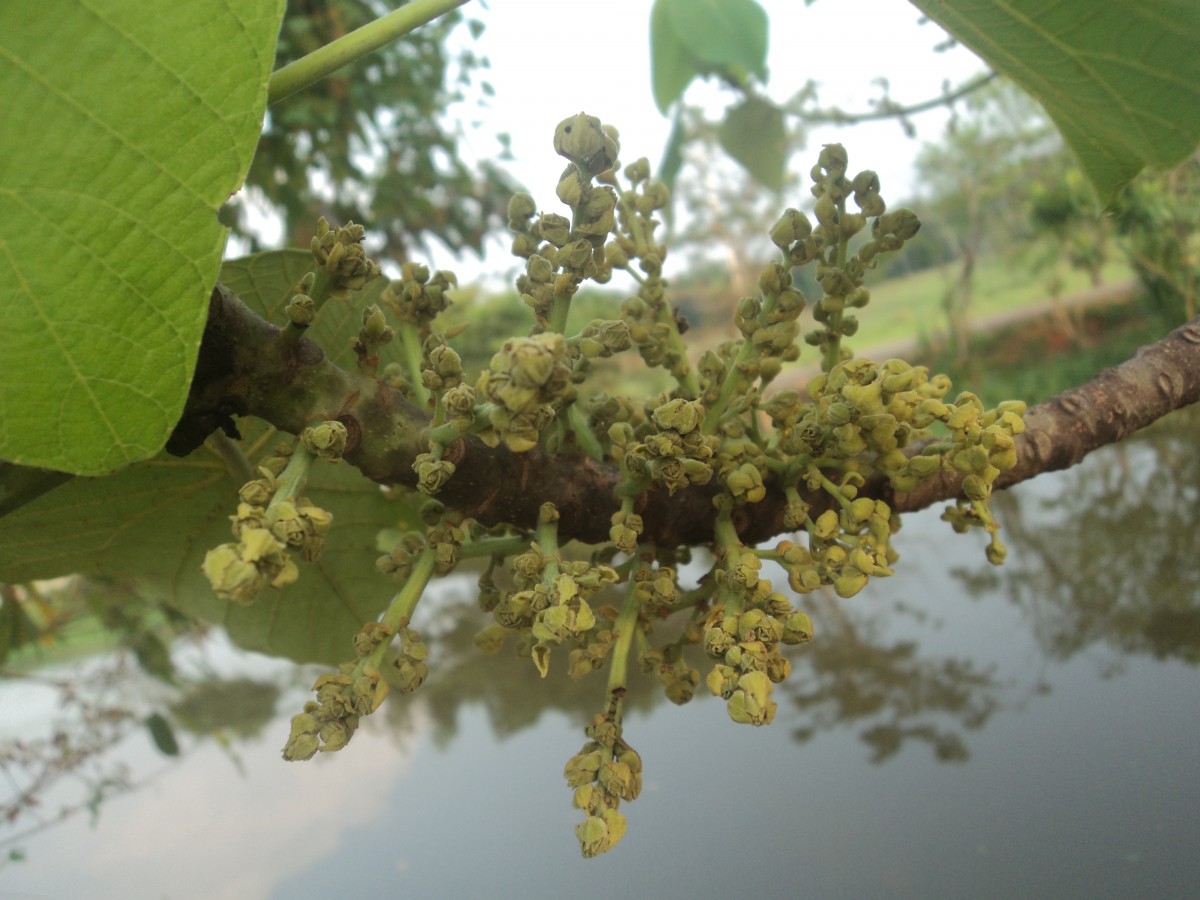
684 416
301 310
746 483
582 140
571 188
792 226
375 327
539 269
797 629
325 439
520 208
302 742
657 194
850 582
615 255
751 703
593 836
638 170
902 223
432 473
555 228
826 525
826 211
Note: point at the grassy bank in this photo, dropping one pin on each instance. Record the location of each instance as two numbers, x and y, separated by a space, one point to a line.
1037 359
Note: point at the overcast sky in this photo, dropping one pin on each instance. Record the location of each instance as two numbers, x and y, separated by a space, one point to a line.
595 57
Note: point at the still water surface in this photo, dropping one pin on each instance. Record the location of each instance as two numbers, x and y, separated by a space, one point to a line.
953 731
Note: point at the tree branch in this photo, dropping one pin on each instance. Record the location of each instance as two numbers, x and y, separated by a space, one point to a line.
890 109
246 367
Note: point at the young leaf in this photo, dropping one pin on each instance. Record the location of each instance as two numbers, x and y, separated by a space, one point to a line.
671 67
696 37
1120 80
124 131
755 135
162 734
722 34
152 523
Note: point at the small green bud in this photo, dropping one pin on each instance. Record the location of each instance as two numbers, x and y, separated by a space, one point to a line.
638 170
792 226
797 629
826 525
375 327
850 582
432 473
681 415
570 188
751 702
576 254
555 228
826 211
539 269
520 208
746 483
582 140
325 439
615 255
657 194
301 310
901 223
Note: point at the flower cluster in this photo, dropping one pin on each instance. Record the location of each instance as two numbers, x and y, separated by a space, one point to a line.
273 521
858 432
341 260
603 773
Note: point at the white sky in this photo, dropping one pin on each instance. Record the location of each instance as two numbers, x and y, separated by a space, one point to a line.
553 59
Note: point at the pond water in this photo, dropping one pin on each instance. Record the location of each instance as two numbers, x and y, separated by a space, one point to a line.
953 731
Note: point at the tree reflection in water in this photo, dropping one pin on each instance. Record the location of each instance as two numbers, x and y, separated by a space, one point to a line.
889 688
1112 557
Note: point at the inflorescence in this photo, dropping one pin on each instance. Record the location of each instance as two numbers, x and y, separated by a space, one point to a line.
721 423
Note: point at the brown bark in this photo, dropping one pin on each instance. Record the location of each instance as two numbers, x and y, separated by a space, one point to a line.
246 367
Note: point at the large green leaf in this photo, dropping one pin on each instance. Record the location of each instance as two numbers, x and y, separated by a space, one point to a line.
126 125
697 37
1120 79
151 523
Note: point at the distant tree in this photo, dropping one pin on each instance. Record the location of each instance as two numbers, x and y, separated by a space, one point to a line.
373 142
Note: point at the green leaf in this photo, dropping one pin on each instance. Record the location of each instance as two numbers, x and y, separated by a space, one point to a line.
162 734
151 523
722 35
21 484
16 628
754 133
697 37
1121 80
126 126
671 68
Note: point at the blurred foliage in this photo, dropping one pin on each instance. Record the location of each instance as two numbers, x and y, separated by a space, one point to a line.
374 142
241 706
1153 222
1036 359
975 183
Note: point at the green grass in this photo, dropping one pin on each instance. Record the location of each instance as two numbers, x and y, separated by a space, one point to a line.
910 307
1036 360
